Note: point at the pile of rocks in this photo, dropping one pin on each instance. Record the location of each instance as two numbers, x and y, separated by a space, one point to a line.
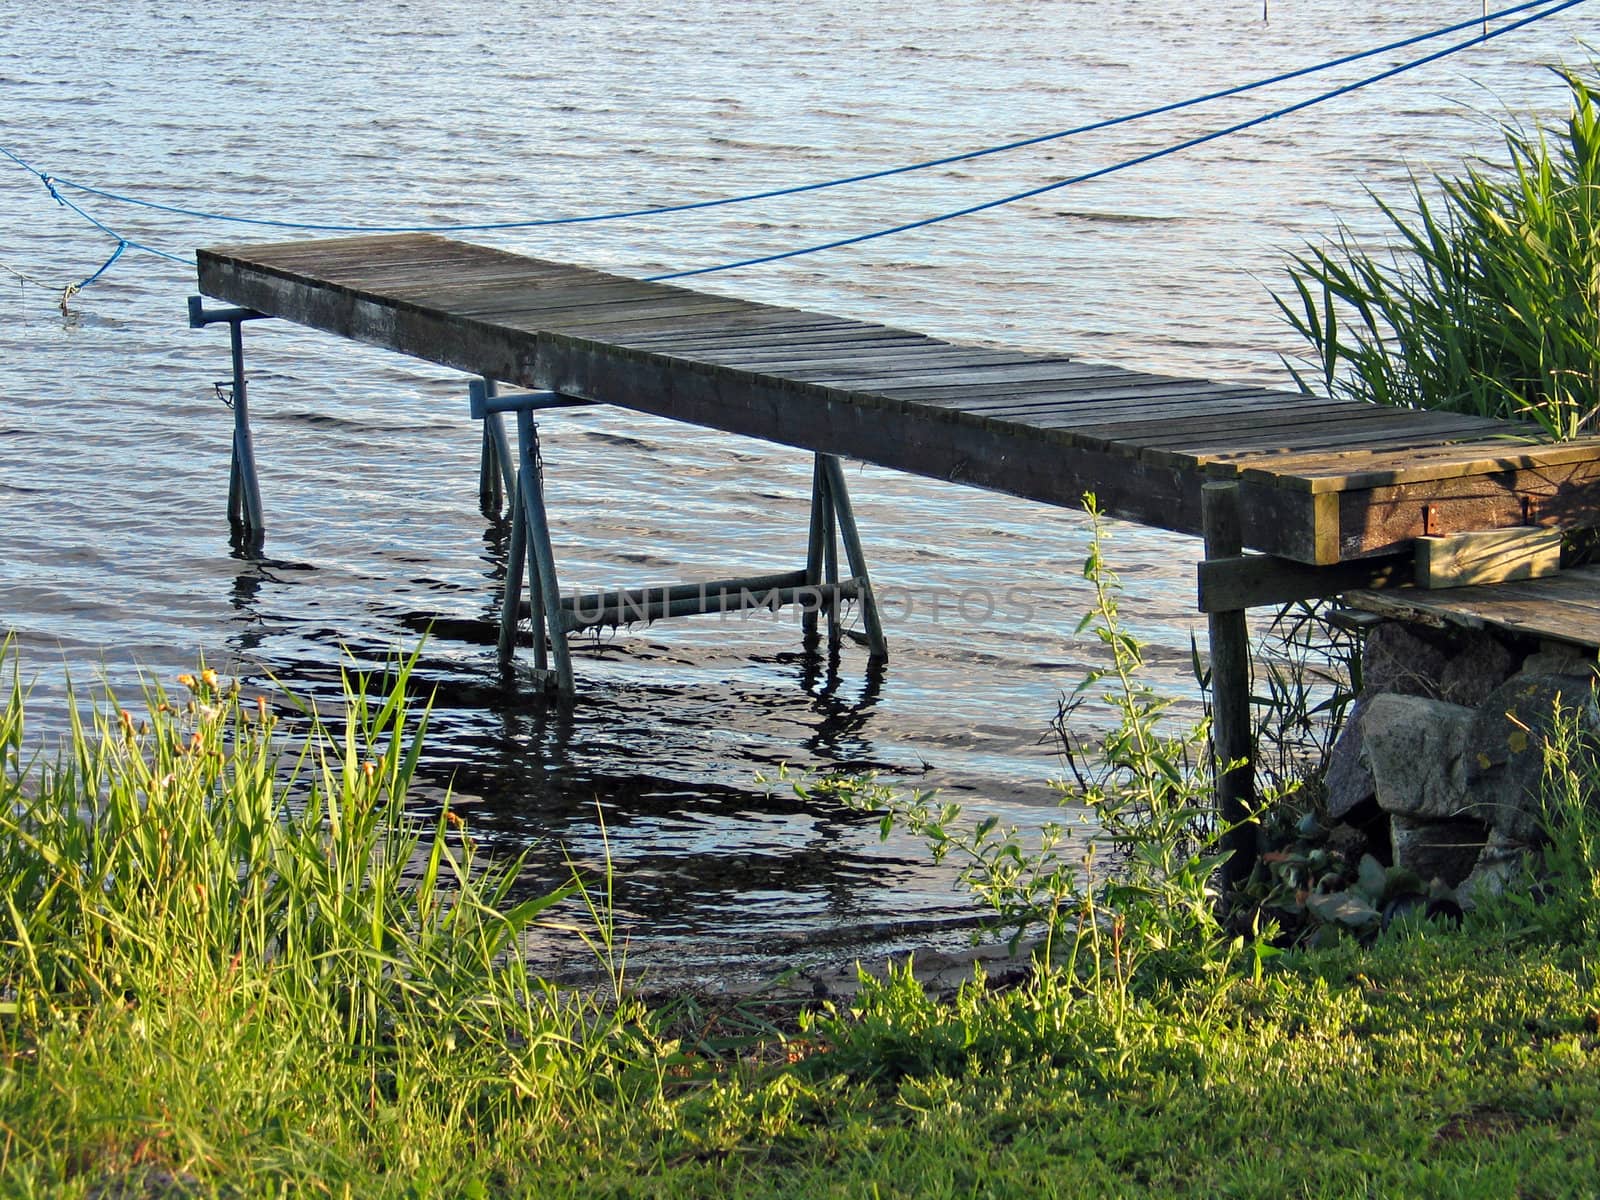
1441 759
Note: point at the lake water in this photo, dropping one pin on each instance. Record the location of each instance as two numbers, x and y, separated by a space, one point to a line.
114 551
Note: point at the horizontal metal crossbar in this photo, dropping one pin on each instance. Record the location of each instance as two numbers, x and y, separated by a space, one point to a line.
200 316
697 599
484 401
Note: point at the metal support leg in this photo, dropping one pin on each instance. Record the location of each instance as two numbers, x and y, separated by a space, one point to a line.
1230 690
496 470
511 601
877 646
536 602
830 557
491 492
814 550
530 487
244 490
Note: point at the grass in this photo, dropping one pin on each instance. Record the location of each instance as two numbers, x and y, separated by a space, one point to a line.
231 966
1489 301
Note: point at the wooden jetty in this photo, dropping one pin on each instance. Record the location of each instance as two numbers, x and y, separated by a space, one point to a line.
1330 494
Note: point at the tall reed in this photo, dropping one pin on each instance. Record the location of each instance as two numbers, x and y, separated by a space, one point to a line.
223 894
1488 302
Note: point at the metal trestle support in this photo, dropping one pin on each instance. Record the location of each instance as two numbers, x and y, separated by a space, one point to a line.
816 588
244 490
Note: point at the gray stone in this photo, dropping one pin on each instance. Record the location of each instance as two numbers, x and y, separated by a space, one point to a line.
1347 779
1561 658
1445 850
1481 663
1505 762
1501 861
1414 748
1393 659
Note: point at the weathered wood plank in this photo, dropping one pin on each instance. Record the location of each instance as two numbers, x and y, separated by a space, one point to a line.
1487 556
1383 436
1260 580
887 357
1387 519
1360 469
1561 608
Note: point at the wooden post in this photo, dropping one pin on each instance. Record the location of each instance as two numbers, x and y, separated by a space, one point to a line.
1230 689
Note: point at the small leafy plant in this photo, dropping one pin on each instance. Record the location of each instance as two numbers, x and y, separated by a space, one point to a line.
1130 899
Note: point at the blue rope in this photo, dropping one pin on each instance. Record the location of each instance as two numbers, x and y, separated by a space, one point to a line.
53 184
1132 162
122 244
798 189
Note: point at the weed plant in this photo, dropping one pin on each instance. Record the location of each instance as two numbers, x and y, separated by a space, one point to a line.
1131 900
1489 302
1307 673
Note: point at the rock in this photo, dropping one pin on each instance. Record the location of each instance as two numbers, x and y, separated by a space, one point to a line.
1351 843
1500 862
1347 779
1393 659
1505 760
1414 749
1482 663
1446 850
1561 658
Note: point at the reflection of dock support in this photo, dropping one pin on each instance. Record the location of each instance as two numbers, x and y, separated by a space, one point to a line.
244 490
816 588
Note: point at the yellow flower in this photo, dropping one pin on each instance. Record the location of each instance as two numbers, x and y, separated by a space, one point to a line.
187 680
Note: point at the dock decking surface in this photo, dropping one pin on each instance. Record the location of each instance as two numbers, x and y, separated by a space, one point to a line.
1563 608
1321 481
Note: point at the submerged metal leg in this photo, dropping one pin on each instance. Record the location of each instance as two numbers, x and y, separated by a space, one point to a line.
496 427
518 562
819 501
530 486
511 601
830 556
491 494
248 519
536 603
244 492
496 470
840 496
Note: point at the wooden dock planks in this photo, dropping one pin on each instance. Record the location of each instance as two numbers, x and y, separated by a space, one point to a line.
1321 481
1563 608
